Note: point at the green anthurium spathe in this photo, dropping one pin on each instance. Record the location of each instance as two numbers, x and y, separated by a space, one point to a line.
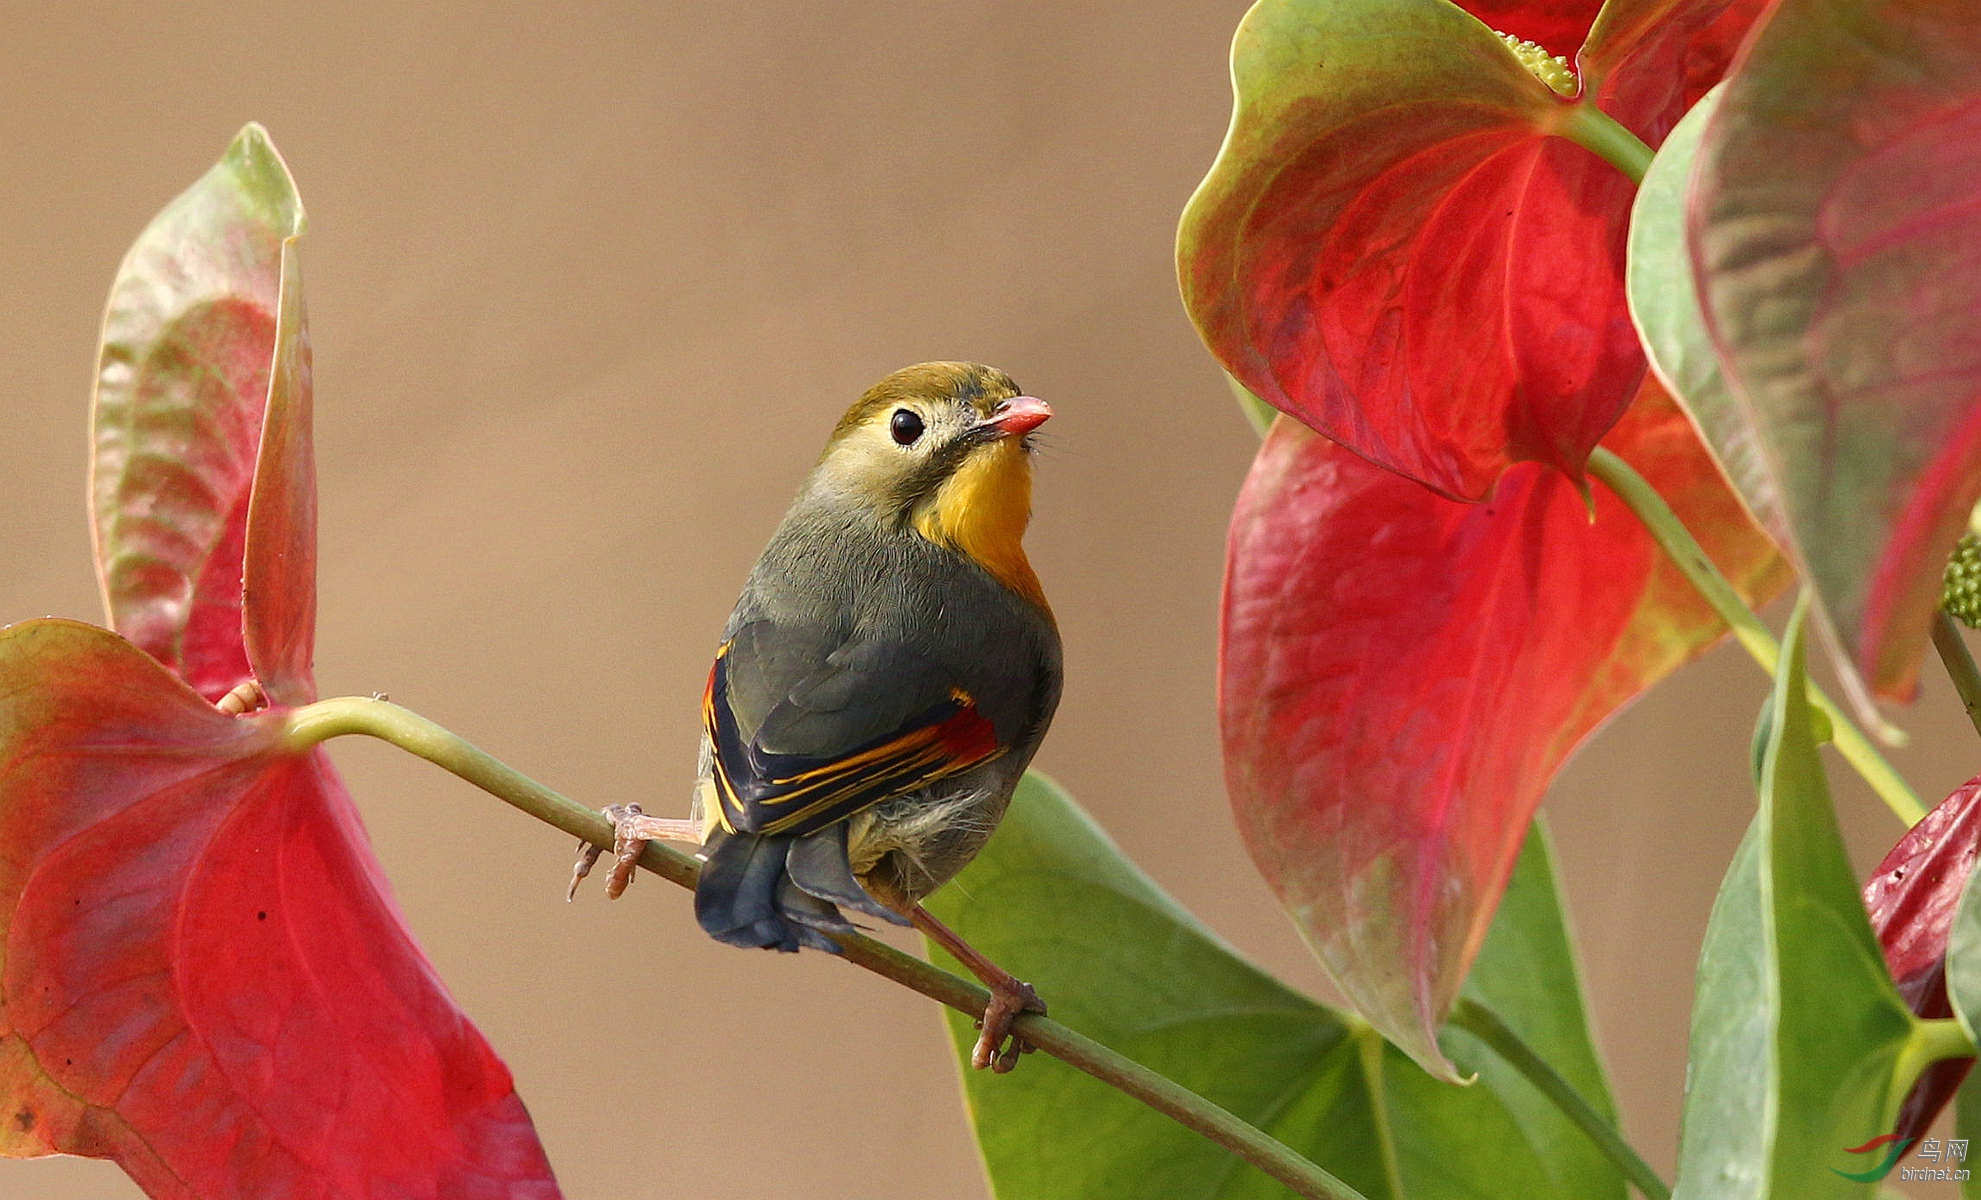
1665 306
1801 1049
1120 960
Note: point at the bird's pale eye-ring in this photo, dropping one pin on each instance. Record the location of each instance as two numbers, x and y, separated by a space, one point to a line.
905 426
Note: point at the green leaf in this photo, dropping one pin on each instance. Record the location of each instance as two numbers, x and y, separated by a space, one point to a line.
1665 306
1526 972
1967 1126
1258 413
1797 1033
1054 900
1963 963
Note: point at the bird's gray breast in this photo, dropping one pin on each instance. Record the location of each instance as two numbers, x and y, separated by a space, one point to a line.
838 583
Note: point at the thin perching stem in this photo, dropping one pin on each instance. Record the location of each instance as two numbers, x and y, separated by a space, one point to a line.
1685 551
1485 1024
1959 664
314 723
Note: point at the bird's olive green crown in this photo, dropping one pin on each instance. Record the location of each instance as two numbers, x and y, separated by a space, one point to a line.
979 387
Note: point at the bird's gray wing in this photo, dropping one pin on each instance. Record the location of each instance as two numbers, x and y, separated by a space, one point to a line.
809 730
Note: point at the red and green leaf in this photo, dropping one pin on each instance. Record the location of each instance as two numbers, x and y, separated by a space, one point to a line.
182 378
1393 246
1834 237
204 976
1402 675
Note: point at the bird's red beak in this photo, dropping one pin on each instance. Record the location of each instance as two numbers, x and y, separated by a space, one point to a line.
1019 415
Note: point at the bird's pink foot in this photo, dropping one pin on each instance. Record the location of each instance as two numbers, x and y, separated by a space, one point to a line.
632 829
997 1047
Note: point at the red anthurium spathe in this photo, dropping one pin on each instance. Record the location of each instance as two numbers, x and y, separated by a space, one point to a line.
1913 897
1401 675
204 976
1833 233
1399 245
1557 28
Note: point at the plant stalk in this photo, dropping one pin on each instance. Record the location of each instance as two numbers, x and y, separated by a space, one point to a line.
1959 664
315 723
1684 550
1599 133
1257 412
1932 1040
1485 1024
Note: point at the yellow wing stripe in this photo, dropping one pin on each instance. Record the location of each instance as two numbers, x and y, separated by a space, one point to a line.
725 792
807 781
922 769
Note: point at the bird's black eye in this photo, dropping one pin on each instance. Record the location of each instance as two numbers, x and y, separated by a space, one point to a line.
906 426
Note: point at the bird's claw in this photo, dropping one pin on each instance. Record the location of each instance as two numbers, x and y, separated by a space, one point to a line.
587 855
626 850
997 1047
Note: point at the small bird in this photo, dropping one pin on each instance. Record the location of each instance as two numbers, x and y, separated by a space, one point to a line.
881 685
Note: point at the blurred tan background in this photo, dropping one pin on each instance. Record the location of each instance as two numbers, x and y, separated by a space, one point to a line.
587 290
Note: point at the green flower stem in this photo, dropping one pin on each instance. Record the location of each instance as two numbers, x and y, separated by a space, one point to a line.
1597 132
1931 1041
1691 558
1483 1023
409 731
1959 664
1256 411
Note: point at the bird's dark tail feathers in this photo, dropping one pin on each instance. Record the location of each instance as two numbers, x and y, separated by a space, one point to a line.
780 893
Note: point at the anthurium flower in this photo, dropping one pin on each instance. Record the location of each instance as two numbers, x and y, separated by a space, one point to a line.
1401 675
1399 243
204 976
1412 242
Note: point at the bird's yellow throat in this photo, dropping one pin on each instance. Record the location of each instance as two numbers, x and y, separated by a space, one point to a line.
981 511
